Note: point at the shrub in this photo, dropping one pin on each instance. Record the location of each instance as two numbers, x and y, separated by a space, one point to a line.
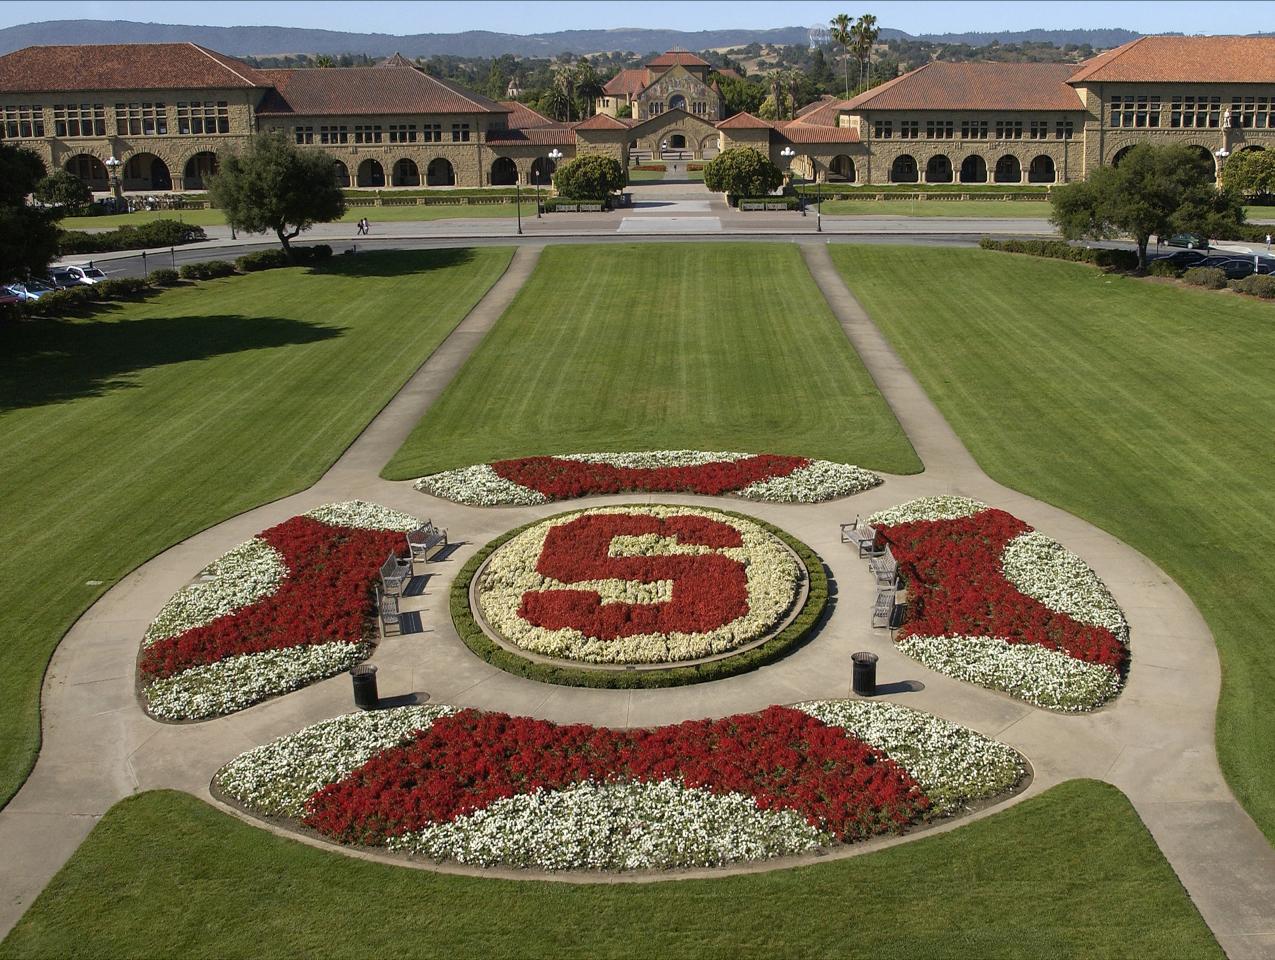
590 177
1210 277
207 270
121 288
1164 268
1256 286
1062 250
60 302
742 172
157 233
262 260
163 277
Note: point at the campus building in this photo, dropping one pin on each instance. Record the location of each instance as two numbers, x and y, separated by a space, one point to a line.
157 117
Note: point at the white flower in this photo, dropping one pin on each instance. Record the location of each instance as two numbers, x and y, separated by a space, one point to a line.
953 764
927 508
278 778
237 682
816 482
616 826
363 515
1028 671
657 459
479 486
1045 570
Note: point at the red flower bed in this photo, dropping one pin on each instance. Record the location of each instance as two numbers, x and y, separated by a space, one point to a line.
709 590
957 586
325 598
783 758
560 479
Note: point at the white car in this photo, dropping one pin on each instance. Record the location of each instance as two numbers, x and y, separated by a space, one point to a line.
29 289
86 275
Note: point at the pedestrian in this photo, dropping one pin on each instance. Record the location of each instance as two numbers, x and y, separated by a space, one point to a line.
1268 243
367 226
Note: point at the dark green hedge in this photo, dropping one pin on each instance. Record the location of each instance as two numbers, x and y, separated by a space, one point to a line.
1210 277
157 233
207 270
786 640
1062 250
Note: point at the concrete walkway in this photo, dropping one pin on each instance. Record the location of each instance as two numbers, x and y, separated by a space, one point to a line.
1155 742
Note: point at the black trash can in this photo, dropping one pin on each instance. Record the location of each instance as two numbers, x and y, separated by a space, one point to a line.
365 696
864 682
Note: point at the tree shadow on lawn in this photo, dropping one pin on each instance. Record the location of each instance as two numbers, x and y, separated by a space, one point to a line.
391 263
53 361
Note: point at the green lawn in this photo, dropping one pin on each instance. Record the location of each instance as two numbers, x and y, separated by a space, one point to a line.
975 209
723 346
1072 873
1259 213
1144 407
127 432
205 218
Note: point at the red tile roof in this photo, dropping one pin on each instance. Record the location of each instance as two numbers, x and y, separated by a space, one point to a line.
744 121
675 58
1183 59
601 121
800 132
974 86
559 135
629 82
339 91
728 72
123 66
398 60
523 117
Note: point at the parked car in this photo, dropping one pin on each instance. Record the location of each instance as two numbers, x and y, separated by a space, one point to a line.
1192 241
1234 268
88 275
1185 258
8 299
29 289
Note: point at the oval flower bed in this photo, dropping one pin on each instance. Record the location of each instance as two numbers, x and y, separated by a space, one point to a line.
490 789
534 480
288 607
638 585
996 603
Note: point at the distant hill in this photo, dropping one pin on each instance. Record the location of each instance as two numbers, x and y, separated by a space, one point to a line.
268 41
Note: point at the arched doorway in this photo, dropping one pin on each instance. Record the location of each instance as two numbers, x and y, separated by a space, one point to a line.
198 169
903 170
708 147
504 172
89 169
677 102
938 170
1121 154
1204 159
841 168
677 141
406 174
1009 170
542 171
1041 170
145 171
371 173
342 173
439 173
973 169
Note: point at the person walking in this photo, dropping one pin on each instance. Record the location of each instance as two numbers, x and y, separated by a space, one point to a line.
1268 243
367 226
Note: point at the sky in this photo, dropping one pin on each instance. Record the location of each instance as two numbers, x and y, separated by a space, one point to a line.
538 16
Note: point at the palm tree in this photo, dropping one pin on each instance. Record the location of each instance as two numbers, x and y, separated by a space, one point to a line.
564 79
865 32
323 60
588 86
840 31
794 78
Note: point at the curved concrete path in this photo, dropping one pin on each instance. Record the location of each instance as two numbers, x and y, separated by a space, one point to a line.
1155 742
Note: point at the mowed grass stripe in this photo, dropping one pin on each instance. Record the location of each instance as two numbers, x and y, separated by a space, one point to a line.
1146 408
654 346
126 432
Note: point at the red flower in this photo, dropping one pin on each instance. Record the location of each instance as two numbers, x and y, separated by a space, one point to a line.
560 479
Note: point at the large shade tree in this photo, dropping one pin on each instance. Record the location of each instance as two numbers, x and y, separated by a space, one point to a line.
1251 172
742 172
28 235
274 186
590 176
1155 191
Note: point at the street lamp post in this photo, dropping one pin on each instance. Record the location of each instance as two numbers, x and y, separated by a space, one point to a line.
113 169
554 156
518 200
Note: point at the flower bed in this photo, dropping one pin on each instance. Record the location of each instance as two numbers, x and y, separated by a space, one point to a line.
994 602
491 789
532 480
288 607
638 585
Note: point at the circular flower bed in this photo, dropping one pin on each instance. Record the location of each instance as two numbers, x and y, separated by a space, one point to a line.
638 585
534 480
491 789
285 609
996 603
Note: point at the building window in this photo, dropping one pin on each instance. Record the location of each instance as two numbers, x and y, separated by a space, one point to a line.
1192 111
335 134
973 129
1009 129
1253 112
203 116
460 133
1038 130
657 107
304 134
1063 130
432 132
909 129
883 130
141 119
22 121
79 119
367 134
938 129
402 133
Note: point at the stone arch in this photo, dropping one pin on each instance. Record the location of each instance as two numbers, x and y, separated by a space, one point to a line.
1124 152
938 169
974 169
841 168
342 173
1008 170
1208 161
371 173
504 172
198 169
710 146
677 102
903 169
88 168
677 141
542 171
146 171
440 173
405 173
1249 146
1041 169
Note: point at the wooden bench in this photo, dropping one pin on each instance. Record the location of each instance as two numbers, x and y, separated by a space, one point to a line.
387 610
426 541
863 537
395 572
885 568
883 609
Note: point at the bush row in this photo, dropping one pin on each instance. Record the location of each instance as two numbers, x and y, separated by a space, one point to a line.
157 233
270 259
787 639
1062 250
